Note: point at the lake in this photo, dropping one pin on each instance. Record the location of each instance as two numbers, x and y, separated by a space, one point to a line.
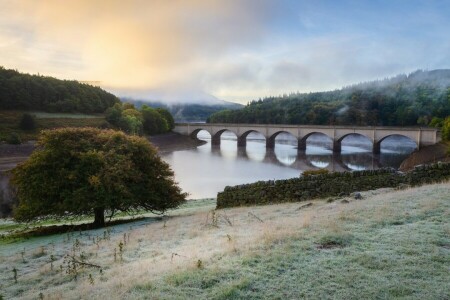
206 170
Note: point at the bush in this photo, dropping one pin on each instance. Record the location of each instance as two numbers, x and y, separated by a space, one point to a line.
335 240
14 139
27 122
315 172
446 129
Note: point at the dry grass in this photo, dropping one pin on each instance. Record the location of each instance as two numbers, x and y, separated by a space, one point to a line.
232 253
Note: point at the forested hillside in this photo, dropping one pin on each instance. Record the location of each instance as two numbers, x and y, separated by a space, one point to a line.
21 91
188 112
420 98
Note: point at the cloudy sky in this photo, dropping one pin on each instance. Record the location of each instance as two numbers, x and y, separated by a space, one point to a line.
236 50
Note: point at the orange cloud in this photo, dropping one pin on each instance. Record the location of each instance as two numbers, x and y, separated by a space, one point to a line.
131 43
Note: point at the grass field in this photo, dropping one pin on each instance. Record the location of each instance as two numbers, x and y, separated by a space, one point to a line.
9 122
390 245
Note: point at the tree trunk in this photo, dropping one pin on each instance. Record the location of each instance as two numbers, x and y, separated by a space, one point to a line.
99 220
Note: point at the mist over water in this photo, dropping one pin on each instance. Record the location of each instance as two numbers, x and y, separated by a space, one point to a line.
206 170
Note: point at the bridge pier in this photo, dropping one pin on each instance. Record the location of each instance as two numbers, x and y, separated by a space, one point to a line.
270 143
376 148
242 141
242 152
301 145
337 146
215 139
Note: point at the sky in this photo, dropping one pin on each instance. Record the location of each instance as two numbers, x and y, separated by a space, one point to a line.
235 50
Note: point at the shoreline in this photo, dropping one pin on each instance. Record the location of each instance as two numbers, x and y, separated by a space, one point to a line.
426 155
169 142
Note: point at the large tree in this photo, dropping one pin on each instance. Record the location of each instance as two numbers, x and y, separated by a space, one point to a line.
80 171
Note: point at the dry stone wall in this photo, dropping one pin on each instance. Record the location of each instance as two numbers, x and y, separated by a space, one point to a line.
328 185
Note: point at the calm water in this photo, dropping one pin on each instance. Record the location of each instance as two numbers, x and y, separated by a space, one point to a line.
206 170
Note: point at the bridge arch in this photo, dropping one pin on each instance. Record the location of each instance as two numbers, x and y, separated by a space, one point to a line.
194 133
337 145
270 141
242 139
302 141
377 144
215 138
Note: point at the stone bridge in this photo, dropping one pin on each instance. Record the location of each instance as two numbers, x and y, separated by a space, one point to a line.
421 136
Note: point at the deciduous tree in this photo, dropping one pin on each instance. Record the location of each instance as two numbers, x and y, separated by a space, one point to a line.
87 171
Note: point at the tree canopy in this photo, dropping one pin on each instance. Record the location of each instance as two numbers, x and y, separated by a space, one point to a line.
35 92
405 100
148 120
187 112
80 171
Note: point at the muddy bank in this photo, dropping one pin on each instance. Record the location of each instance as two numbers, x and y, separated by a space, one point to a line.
426 155
11 155
170 142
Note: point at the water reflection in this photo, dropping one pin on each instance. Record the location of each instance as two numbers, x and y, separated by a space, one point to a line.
206 170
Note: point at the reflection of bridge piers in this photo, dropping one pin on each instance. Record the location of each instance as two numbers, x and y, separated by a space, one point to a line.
302 161
421 136
242 152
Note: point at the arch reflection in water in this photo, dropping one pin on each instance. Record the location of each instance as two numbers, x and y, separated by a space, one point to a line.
357 161
256 147
285 148
319 161
394 149
318 151
228 145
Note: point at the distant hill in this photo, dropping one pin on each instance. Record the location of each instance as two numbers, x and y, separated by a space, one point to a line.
21 91
404 100
189 112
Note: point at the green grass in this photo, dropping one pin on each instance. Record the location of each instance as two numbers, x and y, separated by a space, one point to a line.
11 232
9 122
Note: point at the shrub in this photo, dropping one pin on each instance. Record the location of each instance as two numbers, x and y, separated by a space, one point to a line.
315 172
14 138
446 129
334 240
27 122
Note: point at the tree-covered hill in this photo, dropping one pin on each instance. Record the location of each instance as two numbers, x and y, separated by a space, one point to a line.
21 91
188 112
420 98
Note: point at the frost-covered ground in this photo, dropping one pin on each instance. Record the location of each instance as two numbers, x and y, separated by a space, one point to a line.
390 244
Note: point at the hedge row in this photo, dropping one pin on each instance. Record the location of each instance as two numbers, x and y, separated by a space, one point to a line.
328 185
